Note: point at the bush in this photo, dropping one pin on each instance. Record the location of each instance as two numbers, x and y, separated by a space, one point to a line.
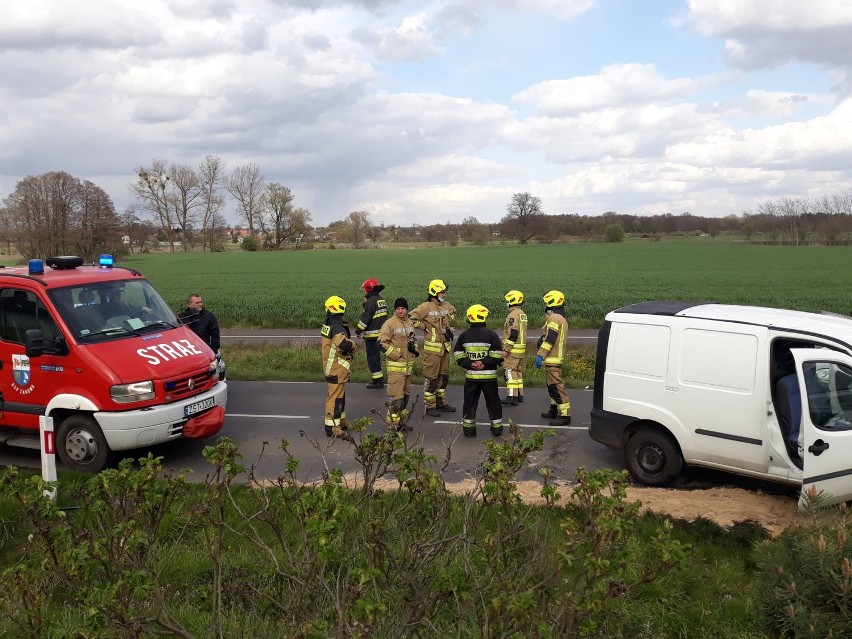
249 244
805 589
614 232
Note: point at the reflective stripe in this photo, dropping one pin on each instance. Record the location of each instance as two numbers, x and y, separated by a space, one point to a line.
399 367
478 375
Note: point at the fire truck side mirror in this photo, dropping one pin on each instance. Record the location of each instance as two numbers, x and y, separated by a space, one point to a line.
35 343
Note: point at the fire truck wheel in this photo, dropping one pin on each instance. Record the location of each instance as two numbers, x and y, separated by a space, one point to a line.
81 444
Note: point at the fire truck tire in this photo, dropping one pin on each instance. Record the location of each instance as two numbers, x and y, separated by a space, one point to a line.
81 445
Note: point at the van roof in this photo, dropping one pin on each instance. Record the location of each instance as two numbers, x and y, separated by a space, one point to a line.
56 278
838 326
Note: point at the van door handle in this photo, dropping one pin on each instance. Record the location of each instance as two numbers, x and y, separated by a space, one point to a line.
818 447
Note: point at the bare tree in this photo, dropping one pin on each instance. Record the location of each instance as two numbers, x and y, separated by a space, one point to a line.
211 177
152 190
246 185
468 227
56 213
356 227
94 224
281 221
524 217
187 198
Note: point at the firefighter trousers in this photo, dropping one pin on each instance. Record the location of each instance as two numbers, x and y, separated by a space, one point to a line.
514 376
559 402
335 403
374 359
436 377
488 389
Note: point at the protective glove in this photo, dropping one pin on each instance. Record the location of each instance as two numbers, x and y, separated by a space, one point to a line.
448 333
218 356
412 348
539 361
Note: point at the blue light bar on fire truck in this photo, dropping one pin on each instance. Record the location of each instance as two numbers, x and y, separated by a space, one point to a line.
105 261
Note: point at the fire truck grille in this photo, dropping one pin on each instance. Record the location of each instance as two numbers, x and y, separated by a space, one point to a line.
186 386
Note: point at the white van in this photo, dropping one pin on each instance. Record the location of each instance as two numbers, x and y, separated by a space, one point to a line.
755 391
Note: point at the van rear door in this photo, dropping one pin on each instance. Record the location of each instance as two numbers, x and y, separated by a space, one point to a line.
825 382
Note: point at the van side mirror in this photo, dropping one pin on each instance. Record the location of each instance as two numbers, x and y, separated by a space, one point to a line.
35 342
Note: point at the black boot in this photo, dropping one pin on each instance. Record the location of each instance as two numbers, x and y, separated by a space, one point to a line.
329 431
433 412
551 414
509 401
377 383
561 421
446 408
469 430
497 430
520 399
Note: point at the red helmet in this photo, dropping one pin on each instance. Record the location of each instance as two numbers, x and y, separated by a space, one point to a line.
369 285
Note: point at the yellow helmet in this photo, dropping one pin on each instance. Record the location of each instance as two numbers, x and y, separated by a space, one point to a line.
514 298
476 314
335 304
436 286
553 298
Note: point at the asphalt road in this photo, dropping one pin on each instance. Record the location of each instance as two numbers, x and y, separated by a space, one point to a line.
260 414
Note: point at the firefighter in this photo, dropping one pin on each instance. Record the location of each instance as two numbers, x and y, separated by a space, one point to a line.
514 348
551 354
479 352
337 352
398 343
435 317
374 315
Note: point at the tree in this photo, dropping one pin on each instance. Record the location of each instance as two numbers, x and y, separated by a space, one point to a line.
356 227
152 191
187 198
467 228
211 178
614 232
524 217
281 221
56 213
246 186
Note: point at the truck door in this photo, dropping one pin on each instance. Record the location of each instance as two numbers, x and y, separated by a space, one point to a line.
27 385
825 382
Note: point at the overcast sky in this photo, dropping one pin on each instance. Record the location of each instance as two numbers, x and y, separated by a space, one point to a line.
429 112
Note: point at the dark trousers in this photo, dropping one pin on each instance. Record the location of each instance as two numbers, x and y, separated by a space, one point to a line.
374 358
488 388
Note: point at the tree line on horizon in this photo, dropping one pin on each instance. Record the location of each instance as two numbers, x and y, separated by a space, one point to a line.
178 206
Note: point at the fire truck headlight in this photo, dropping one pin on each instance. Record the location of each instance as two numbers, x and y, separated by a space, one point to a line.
129 393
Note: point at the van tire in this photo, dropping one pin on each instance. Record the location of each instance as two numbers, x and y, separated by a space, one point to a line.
653 458
81 445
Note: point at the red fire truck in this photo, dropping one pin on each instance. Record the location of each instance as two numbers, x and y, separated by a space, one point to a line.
96 348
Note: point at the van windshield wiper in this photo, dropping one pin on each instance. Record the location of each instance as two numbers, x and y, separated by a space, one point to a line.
110 330
160 323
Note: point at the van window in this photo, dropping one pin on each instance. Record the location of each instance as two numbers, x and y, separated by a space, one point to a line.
719 359
21 311
641 349
829 388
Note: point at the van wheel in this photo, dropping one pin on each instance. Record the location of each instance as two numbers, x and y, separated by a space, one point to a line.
81 445
653 458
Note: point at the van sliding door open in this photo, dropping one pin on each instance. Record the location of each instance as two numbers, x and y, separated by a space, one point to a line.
825 383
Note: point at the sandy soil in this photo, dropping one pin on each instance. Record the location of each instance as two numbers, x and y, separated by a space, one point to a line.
724 505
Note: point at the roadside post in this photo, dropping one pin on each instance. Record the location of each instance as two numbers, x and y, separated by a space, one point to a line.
48 453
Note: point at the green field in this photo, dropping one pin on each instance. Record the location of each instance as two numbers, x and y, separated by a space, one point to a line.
288 288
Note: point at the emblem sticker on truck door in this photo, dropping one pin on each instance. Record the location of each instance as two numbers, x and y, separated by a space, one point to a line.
21 373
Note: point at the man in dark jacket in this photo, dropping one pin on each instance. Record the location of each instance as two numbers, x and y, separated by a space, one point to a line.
479 351
202 322
374 315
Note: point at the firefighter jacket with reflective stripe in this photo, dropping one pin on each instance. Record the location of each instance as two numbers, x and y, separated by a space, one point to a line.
479 344
555 329
515 332
394 340
337 348
434 319
374 315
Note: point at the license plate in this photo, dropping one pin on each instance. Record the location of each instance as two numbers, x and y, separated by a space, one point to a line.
199 407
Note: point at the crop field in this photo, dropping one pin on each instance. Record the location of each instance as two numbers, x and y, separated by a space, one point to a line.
288 288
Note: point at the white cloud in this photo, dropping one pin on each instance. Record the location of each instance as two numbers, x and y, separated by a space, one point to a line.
616 85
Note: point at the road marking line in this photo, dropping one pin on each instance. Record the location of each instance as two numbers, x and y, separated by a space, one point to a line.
268 416
506 425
